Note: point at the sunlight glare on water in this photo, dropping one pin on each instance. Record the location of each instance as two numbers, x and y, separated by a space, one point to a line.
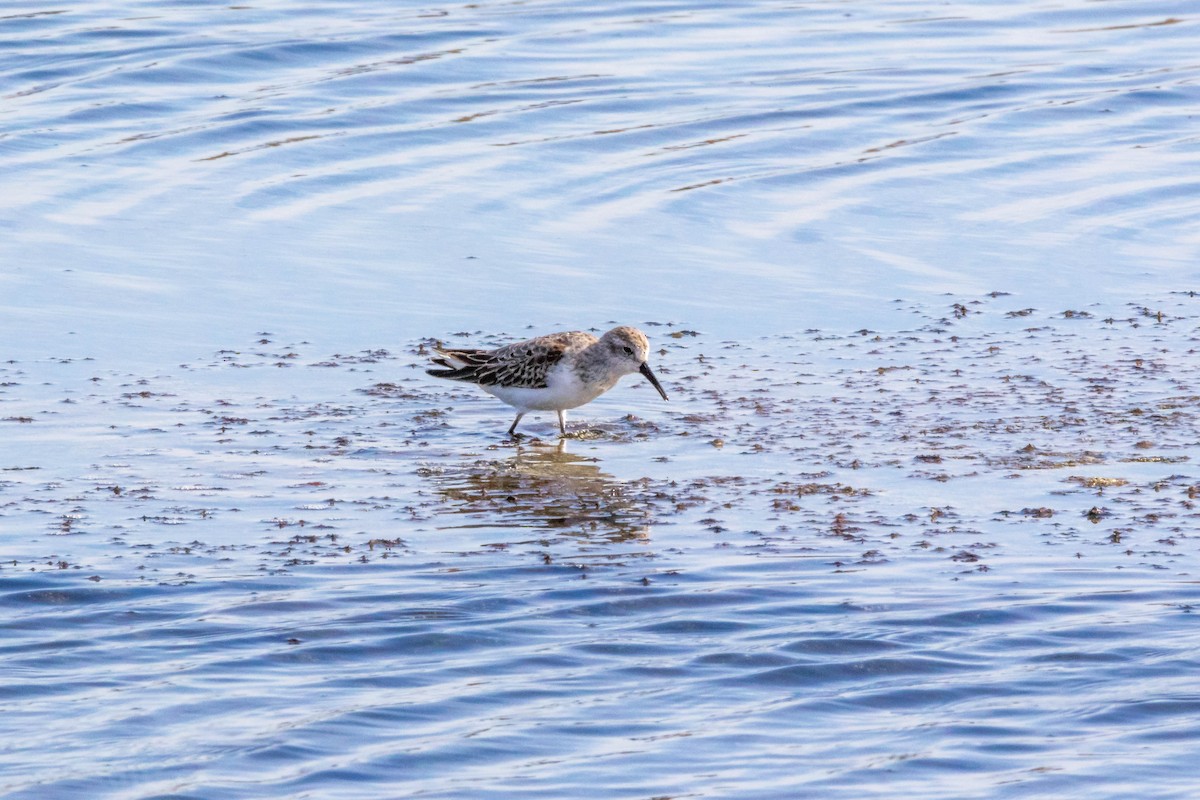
352 159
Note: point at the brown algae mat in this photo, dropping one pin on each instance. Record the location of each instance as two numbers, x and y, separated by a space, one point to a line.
974 438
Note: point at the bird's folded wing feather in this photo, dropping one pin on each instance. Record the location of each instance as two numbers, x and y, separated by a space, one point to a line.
513 365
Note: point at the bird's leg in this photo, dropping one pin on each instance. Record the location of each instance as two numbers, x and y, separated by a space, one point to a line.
512 431
562 421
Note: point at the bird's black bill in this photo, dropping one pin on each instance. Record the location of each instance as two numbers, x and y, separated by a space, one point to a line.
645 370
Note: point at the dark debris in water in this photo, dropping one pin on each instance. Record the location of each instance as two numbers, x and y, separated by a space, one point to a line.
975 438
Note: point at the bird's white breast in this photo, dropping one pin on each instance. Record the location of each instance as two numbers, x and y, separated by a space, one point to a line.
563 390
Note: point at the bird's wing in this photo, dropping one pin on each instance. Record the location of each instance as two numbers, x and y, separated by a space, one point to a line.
523 364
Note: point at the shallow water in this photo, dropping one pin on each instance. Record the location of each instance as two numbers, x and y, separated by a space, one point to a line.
919 518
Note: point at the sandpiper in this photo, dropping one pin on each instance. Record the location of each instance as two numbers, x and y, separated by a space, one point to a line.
552 372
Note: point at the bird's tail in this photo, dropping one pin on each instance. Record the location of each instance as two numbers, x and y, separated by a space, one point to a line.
457 365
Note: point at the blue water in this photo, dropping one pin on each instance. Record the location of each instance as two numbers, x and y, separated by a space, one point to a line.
918 520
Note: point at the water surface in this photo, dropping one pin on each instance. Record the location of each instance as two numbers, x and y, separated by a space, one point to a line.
919 518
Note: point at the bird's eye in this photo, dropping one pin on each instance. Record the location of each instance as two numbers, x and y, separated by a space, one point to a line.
628 350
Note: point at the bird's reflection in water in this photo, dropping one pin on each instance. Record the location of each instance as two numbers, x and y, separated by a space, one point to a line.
545 487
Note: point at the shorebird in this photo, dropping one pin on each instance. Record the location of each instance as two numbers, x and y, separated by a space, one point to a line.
552 372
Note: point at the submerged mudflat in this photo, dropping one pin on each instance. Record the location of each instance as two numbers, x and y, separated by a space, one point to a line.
968 539
986 434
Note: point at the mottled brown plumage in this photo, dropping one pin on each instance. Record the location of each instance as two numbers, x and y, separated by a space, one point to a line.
522 364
